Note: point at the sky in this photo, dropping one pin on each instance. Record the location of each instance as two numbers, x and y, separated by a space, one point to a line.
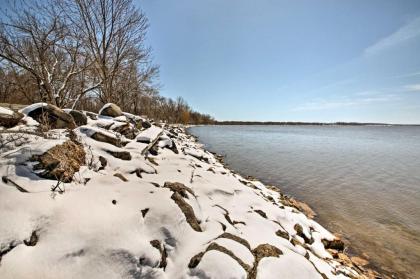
300 60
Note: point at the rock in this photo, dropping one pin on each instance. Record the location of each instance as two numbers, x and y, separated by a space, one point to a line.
79 117
146 124
344 259
299 231
216 247
52 117
187 210
154 150
137 172
174 148
33 240
61 162
123 155
92 115
144 212
283 234
359 261
103 162
111 110
120 176
266 250
9 118
236 238
260 252
126 130
162 250
336 244
108 139
301 206
179 188
261 213
195 260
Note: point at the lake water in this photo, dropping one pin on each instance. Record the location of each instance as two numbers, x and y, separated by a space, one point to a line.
363 181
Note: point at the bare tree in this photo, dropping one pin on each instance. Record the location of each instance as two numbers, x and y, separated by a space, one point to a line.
34 38
113 34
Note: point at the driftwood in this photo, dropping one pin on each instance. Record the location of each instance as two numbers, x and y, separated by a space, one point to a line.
151 144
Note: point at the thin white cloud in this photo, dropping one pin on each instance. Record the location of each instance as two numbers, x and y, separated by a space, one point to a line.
405 33
367 93
412 87
413 74
345 102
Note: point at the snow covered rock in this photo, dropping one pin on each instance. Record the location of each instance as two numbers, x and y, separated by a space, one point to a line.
50 116
9 118
111 110
61 162
126 129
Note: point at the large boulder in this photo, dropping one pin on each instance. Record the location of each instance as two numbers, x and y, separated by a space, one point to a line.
9 118
111 109
79 117
50 116
61 162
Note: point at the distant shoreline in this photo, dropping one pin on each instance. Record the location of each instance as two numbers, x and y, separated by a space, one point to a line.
291 123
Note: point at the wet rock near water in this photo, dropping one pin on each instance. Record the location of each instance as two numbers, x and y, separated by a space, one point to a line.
336 244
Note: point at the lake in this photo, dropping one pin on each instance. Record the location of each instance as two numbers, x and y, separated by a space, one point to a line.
363 181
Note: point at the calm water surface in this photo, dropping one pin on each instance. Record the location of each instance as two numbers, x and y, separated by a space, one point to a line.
363 182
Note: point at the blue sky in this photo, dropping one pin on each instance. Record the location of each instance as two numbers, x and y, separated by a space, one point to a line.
302 60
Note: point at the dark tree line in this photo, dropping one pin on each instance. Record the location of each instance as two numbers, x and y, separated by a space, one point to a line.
82 54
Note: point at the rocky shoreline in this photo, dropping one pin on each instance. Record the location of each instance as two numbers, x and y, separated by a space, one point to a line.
115 195
345 254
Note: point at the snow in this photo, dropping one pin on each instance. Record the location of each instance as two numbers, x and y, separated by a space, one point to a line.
82 234
218 265
6 111
32 107
289 265
149 134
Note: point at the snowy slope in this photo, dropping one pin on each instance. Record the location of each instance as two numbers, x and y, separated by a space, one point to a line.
215 224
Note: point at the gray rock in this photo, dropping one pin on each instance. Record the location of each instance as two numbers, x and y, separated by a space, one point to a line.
10 120
146 124
111 110
53 117
79 117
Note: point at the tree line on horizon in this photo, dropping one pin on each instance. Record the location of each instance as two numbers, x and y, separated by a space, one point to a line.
82 54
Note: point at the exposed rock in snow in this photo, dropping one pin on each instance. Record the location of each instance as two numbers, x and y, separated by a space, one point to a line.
50 116
79 117
111 110
9 118
170 215
61 162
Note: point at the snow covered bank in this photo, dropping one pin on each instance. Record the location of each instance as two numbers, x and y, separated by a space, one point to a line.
154 206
